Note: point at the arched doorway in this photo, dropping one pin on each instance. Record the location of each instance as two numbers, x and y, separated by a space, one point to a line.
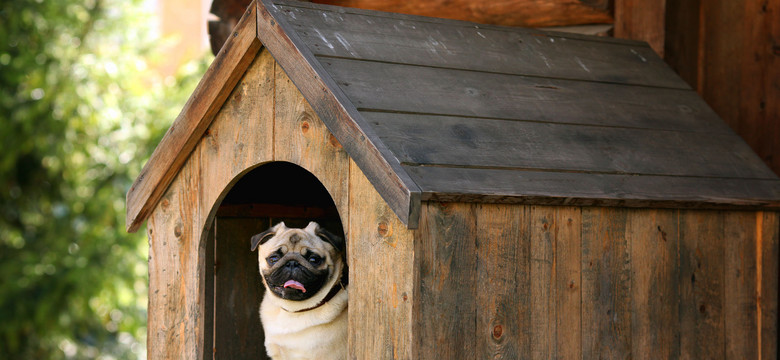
262 197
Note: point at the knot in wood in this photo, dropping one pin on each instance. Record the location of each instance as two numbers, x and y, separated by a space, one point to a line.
383 229
305 127
333 141
498 330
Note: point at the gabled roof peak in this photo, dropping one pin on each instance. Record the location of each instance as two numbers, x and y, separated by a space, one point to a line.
445 110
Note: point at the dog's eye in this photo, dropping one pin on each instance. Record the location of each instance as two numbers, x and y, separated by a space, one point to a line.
272 259
315 260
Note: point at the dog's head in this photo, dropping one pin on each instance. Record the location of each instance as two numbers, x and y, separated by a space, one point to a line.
296 264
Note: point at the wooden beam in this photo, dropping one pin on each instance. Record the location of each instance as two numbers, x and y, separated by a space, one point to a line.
736 71
528 13
641 20
197 114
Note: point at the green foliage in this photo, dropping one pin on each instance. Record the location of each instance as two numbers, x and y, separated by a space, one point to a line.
80 112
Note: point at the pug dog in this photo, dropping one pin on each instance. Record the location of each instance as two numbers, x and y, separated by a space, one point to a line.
304 310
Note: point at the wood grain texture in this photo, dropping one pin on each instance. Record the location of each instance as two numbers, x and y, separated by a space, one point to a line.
543 284
561 188
445 249
768 231
735 71
300 137
515 13
228 149
568 301
470 142
426 90
642 20
504 314
740 303
339 115
333 32
702 285
555 284
606 284
653 237
382 276
186 131
176 276
238 333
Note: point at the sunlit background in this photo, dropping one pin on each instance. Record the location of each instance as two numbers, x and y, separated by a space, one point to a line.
87 90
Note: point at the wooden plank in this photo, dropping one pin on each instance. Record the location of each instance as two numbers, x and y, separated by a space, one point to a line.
519 51
185 133
585 189
768 231
472 142
340 116
735 71
504 323
241 136
238 332
300 137
702 269
556 299
382 276
446 312
209 292
543 283
740 305
426 90
568 301
655 295
176 325
606 284
681 46
515 13
642 20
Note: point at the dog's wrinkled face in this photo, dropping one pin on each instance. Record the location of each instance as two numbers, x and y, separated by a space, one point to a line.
297 263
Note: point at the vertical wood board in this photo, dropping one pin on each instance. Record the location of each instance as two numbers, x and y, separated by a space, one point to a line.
302 138
768 231
445 249
382 276
606 284
654 246
504 317
740 302
241 136
176 276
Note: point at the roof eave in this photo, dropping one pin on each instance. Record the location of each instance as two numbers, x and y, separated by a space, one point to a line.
181 138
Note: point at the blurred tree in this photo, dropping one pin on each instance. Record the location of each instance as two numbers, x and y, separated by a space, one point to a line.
80 111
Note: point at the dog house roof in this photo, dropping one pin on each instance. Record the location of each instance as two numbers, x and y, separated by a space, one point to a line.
444 110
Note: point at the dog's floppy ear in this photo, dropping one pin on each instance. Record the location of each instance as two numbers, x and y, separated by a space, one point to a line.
329 237
262 237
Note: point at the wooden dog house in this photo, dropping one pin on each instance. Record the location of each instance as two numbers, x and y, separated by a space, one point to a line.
504 192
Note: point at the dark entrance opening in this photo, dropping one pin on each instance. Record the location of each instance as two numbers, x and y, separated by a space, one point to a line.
266 195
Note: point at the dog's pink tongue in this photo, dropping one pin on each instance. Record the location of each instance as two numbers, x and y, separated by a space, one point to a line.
295 285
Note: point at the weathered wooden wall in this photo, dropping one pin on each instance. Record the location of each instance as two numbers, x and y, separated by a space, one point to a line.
506 281
266 119
727 50
484 280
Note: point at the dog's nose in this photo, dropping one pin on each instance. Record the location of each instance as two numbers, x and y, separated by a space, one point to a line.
292 264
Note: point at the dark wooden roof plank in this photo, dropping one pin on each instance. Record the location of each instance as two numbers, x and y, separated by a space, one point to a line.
469 142
519 52
427 90
578 189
